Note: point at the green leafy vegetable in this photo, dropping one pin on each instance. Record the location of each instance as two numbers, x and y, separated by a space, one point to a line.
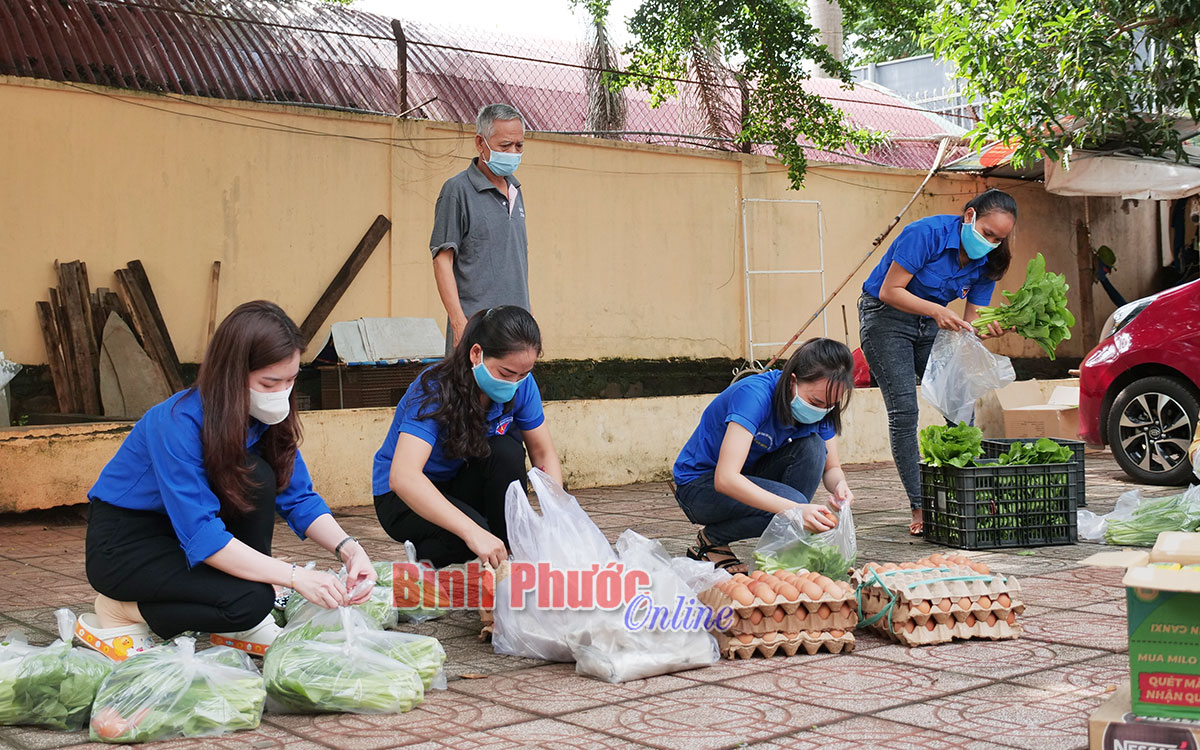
318 677
814 555
1038 310
55 686
1152 517
173 692
957 446
378 608
1044 451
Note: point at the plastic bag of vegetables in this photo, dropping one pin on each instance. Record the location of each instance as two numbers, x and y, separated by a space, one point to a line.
53 686
339 671
1137 521
378 608
172 691
423 653
430 602
960 370
787 545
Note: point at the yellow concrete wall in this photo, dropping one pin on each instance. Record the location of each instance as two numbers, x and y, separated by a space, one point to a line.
635 250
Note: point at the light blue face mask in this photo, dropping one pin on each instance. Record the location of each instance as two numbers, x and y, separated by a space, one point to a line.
499 391
973 243
502 163
805 412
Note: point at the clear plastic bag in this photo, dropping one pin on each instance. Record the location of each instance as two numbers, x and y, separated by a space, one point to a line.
960 370
51 687
172 691
339 670
380 607
632 643
564 537
1137 520
787 545
429 608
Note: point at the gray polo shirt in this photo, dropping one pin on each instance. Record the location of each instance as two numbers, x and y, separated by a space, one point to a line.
486 231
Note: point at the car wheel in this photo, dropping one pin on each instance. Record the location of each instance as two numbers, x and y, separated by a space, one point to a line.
1150 427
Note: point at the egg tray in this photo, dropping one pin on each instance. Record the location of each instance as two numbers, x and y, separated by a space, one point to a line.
930 584
874 600
845 618
715 599
944 633
808 642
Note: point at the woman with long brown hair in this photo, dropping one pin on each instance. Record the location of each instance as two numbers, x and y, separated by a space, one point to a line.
458 440
181 519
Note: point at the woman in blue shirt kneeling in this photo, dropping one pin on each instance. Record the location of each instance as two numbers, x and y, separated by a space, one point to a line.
762 447
458 440
933 262
181 519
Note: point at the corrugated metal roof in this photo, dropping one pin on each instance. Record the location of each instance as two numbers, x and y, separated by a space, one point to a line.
315 53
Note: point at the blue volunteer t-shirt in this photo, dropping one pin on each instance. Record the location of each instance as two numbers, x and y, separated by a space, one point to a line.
928 249
160 467
526 413
747 402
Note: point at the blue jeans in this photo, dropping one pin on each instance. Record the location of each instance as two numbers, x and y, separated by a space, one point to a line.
792 472
897 346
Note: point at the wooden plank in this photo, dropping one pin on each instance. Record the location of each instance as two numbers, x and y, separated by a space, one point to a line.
138 272
110 302
214 285
84 353
343 278
143 322
54 355
59 318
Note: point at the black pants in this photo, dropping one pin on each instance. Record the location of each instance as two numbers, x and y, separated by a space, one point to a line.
477 491
135 556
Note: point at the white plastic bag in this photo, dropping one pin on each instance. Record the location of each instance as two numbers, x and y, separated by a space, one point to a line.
565 538
1148 517
960 370
630 643
8 370
1093 526
787 545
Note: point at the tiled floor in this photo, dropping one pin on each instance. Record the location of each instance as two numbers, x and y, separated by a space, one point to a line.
1034 692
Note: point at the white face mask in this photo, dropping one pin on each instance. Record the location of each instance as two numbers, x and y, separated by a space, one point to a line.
270 408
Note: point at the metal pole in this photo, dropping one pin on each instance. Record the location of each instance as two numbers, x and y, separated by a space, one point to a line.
749 305
401 66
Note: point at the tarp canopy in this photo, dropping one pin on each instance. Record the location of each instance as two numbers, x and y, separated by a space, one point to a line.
1122 176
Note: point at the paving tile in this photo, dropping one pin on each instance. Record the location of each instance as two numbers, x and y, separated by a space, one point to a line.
1059 591
993 659
1114 608
443 715
857 683
702 717
541 733
1096 677
556 689
728 669
31 738
1068 627
874 733
1019 716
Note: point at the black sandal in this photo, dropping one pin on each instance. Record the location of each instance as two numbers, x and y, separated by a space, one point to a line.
704 547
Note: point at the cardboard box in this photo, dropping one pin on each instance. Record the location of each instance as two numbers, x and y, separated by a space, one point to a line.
1164 624
1027 415
1113 726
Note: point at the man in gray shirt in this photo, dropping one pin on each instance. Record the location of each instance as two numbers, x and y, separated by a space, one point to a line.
480 252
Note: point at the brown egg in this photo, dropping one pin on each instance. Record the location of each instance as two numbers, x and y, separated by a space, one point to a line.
964 603
970 621
778 615
908 565
980 568
1012 618
791 636
889 567
758 575
930 625
824 611
872 566
846 586
922 606
745 638
909 626
1005 600
985 602
812 590
837 633
788 591
764 592
756 617
847 610
937 558
944 605
770 637
991 619
800 614
741 594
741 578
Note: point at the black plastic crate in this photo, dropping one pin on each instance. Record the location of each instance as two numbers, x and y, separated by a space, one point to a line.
991 506
993 447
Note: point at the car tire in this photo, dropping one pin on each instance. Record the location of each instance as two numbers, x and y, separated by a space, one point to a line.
1150 426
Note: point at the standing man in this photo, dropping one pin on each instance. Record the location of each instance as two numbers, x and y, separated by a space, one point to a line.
480 252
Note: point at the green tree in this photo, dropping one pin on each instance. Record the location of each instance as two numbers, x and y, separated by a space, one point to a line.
1053 75
885 30
770 49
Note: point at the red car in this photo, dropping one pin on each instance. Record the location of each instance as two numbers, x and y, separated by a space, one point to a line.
1139 389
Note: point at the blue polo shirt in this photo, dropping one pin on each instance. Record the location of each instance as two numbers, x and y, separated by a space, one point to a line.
928 249
160 467
526 413
747 402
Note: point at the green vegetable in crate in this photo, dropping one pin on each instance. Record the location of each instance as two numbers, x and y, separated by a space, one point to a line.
957 446
1152 517
171 691
1038 310
1043 451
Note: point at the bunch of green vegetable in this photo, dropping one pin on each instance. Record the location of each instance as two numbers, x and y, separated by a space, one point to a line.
171 691
318 677
1152 517
378 608
1043 451
813 555
1038 310
957 446
55 687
